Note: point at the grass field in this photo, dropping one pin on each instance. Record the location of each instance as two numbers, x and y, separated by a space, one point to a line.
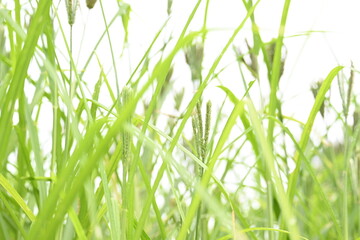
131 155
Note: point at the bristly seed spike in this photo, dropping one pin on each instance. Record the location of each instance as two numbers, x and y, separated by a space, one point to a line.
71 7
90 3
207 123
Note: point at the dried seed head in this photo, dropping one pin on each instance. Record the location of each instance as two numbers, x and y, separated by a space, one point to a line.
90 3
178 98
271 48
315 89
254 65
356 118
167 83
194 55
169 5
349 92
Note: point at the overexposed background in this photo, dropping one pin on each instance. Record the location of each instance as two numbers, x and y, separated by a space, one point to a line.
320 34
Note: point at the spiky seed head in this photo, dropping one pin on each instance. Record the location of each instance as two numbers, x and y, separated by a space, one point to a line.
194 55
169 5
71 7
90 3
126 96
207 123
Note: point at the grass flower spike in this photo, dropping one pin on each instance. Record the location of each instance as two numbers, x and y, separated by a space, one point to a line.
71 7
90 3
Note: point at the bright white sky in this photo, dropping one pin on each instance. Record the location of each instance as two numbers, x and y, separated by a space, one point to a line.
310 57
335 40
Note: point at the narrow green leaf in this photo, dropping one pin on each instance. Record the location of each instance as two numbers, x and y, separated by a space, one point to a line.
77 225
5 183
7 109
308 127
207 175
276 68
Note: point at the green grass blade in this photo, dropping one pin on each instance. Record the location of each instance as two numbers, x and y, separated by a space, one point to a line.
310 169
7 109
7 186
293 178
260 229
114 219
10 22
207 174
13 214
269 159
77 224
307 129
160 72
42 228
276 68
35 145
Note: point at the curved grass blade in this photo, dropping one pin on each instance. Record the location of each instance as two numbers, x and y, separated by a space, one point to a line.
308 127
230 236
306 135
7 186
7 109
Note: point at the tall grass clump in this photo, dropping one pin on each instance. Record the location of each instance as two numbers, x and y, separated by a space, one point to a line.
153 141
